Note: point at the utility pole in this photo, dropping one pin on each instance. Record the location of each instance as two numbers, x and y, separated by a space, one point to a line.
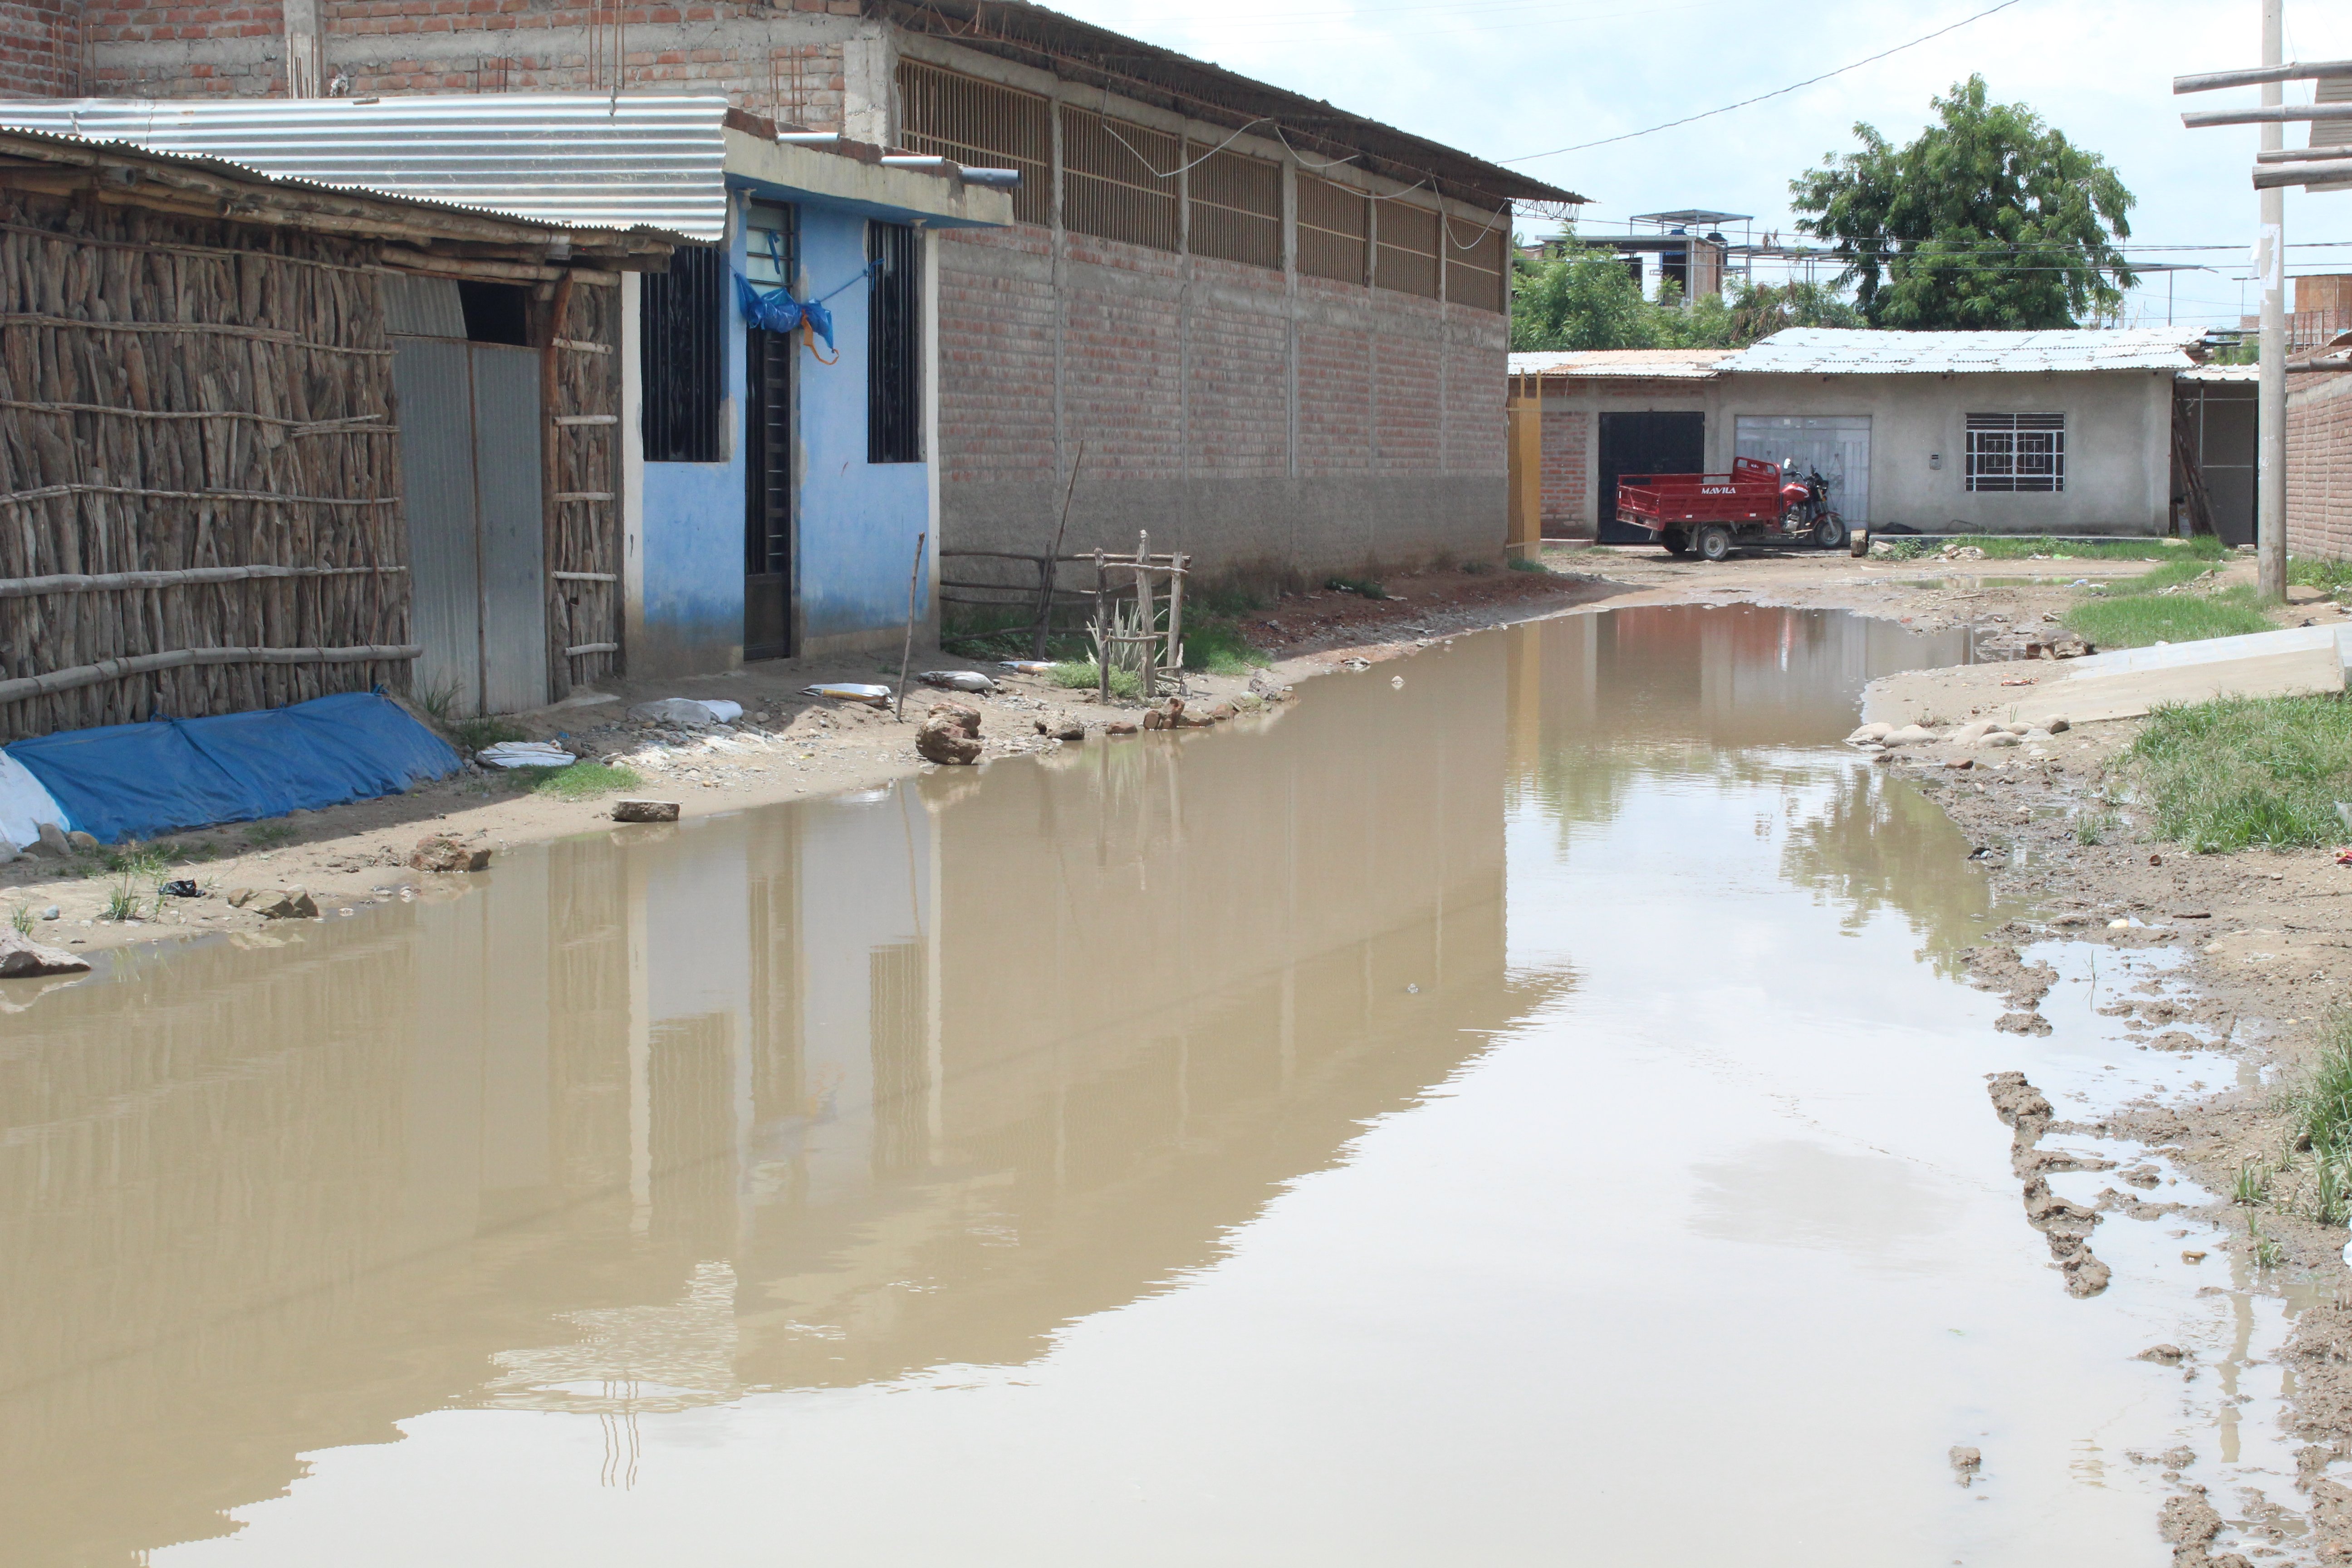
2270 252
2275 169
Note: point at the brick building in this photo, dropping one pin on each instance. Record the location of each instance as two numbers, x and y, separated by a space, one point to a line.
1270 331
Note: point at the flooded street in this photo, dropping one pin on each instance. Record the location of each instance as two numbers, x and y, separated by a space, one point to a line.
1525 1114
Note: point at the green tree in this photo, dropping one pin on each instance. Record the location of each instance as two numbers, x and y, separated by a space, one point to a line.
1587 299
1990 219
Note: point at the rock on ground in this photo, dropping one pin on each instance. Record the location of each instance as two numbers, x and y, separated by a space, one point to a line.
950 736
645 811
21 956
437 852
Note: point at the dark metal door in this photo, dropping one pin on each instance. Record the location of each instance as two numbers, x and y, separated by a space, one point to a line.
1645 444
768 505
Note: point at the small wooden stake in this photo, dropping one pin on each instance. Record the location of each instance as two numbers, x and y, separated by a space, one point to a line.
1053 558
907 656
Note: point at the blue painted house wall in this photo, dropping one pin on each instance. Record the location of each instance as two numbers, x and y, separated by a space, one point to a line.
856 521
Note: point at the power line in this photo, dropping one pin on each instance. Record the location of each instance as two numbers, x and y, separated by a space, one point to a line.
1776 93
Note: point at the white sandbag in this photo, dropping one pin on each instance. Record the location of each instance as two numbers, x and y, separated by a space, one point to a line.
1026 666
25 804
956 680
850 691
691 712
525 754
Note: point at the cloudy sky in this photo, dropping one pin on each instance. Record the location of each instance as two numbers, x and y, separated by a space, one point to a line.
1505 78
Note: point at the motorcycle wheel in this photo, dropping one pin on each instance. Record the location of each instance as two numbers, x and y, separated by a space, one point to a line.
1676 542
1829 532
1714 542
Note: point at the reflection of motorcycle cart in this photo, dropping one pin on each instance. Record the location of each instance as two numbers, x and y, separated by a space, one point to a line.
1756 504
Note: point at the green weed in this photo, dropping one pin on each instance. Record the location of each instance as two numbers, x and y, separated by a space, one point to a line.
2095 827
1362 586
1081 675
1216 647
2241 771
2137 620
580 781
269 835
2332 575
2268 1253
1528 564
473 734
2251 1186
21 918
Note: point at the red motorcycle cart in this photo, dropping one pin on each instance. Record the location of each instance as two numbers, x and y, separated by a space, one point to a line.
1756 503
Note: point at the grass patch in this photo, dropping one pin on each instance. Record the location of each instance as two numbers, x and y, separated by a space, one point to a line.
2241 771
2095 827
2138 619
473 734
2158 578
1362 586
580 781
2012 547
1528 564
1080 675
1216 647
21 920
269 835
2331 575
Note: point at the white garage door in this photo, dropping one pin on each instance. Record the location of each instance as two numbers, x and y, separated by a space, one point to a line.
1836 443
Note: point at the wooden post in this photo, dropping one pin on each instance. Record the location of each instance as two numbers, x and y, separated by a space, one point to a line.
906 656
1046 573
1525 448
1146 602
1176 616
1102 633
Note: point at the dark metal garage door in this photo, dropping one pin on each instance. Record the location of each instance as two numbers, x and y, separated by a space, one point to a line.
1645 444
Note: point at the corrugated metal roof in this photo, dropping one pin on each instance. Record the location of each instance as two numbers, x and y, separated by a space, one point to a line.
1819 351
1669 364
581 159
2222 373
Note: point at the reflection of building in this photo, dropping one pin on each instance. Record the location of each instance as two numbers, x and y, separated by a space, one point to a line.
810 1097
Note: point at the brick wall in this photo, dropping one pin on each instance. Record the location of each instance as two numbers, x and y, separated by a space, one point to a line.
781 61
40 47
2319 469
1567 472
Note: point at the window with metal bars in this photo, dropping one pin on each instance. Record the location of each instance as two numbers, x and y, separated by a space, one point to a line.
1474 268
894 344
1236 208
981 126
1334 223
1108 186
2017 452
1408 249
681 357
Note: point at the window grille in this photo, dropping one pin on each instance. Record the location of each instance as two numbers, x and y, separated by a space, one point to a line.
894 345
2017 452
1236 208
1334 222
1110 192
1408 258
981 126
679 356
1475 275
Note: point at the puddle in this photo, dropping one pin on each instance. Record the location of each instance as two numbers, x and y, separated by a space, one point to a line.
1529 1114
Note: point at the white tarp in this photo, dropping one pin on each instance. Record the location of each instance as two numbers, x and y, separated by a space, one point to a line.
25 804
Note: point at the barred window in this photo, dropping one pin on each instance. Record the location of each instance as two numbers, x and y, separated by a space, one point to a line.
1236 208
1474 266
2017 452
981 126
1408 249
894 345
679 355
1109 188
1334 223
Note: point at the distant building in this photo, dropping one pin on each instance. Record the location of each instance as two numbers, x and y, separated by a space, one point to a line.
2051 432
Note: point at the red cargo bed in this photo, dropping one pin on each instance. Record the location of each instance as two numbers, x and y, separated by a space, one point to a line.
1749 493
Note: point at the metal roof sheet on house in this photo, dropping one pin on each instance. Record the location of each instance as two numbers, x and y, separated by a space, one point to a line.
579 160
1668 364
2247 373
1819 351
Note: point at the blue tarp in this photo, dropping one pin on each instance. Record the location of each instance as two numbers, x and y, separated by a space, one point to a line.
135 781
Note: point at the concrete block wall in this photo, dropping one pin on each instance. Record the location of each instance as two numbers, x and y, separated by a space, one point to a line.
2319 469
1275 427
41 48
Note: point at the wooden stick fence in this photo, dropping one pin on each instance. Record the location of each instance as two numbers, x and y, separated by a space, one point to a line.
200 493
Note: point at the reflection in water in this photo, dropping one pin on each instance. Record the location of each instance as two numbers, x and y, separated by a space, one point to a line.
825 1096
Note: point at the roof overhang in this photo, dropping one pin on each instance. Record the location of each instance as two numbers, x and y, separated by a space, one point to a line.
1082 53
850 176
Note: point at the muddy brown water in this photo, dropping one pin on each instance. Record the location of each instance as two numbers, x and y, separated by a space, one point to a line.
1526 1114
